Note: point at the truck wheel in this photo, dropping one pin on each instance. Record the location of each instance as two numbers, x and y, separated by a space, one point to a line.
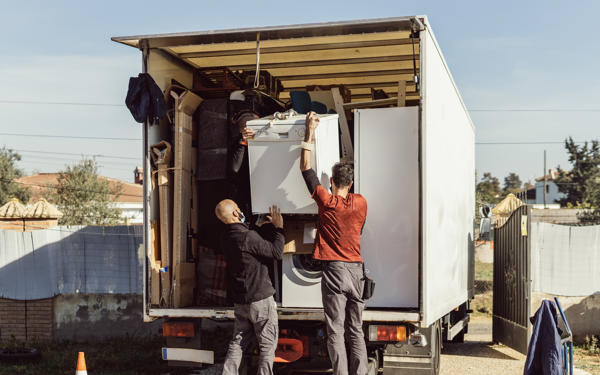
437 349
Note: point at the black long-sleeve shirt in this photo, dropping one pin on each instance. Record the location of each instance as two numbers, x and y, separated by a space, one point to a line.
249 254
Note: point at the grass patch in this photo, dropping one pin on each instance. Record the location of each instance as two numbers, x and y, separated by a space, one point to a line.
585 360
484 271
482 304
587 356
129 355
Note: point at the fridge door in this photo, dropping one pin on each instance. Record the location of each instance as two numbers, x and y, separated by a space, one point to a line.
386 152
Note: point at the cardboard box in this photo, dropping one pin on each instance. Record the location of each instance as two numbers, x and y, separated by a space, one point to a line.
184 284
299 236
188 102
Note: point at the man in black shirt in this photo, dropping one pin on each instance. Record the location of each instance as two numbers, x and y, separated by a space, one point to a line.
248 254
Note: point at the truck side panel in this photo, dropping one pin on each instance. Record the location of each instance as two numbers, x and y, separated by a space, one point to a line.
448 185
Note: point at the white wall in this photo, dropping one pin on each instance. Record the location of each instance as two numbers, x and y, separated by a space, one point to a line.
565 259
133 212
552 196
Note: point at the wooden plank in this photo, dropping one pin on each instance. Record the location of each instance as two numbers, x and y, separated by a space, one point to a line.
289 42
372 103
294 57
401 93
365 73
346 81
344 68
364 93
303 63
298 48
347 148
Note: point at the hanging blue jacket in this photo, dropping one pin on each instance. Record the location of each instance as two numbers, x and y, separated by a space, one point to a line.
544 356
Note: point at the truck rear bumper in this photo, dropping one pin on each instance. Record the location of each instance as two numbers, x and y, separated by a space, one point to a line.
286 314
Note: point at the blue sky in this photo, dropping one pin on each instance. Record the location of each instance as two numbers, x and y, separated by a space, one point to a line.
523 55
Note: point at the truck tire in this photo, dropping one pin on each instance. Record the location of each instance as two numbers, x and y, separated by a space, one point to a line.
437 348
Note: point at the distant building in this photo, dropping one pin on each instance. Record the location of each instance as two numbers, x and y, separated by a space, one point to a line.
129 201
535 195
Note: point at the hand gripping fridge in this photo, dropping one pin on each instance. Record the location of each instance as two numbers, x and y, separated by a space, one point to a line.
274 158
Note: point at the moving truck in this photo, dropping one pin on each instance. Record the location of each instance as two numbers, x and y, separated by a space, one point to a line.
403 123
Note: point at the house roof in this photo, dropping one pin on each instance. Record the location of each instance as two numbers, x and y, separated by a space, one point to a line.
37 184
552 175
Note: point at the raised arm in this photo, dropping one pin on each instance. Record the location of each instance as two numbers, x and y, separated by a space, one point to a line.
310 176
273 246
239 149
312 121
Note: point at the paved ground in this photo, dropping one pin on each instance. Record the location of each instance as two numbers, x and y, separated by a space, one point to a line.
477 355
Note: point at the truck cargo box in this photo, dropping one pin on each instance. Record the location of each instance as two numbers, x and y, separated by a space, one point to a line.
413 148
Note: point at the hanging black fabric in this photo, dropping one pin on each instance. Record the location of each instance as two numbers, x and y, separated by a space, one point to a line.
144 99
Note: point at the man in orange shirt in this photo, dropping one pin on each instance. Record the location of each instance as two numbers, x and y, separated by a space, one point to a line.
341 218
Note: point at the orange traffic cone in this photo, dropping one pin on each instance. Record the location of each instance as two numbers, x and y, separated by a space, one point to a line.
81 369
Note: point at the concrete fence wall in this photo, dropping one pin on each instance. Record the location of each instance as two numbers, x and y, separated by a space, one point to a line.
565 263
78 283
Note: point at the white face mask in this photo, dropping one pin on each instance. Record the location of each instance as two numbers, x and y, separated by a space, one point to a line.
241 216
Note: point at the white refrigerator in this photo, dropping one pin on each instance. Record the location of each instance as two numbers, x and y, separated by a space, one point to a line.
274 159
386 173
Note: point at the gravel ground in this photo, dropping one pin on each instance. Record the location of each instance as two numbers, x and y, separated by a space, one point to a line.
477 355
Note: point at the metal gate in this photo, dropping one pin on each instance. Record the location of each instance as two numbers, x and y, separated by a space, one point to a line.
512 249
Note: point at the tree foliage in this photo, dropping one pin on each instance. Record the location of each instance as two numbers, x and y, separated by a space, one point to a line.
8 173
84 197
488 189
512 184
582 183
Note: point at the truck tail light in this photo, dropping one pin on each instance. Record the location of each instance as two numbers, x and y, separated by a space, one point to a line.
387 333
178 329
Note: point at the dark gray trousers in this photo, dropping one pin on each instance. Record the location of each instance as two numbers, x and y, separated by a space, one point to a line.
255 320
341 287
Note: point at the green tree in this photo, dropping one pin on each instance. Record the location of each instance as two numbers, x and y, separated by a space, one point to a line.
582 183
84 197
488 189
8 173
512 184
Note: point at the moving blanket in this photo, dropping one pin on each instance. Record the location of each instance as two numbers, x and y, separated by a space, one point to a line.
544 356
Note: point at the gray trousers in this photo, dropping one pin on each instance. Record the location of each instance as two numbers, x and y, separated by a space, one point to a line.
255 321
341 287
